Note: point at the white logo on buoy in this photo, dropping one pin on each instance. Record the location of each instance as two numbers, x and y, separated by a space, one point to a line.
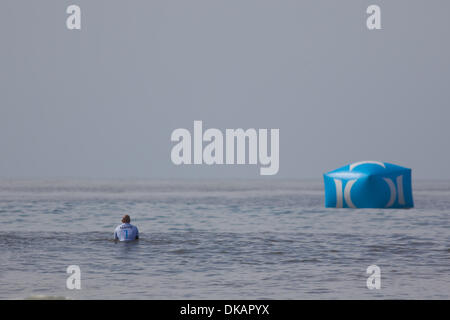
396 190
347 194
353 165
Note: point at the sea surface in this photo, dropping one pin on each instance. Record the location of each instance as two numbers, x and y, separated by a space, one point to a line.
227 239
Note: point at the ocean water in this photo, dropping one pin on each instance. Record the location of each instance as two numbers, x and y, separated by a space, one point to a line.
261 239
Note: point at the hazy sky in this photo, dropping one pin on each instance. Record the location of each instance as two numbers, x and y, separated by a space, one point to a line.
104 100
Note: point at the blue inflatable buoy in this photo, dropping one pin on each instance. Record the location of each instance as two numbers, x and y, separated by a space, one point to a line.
369 184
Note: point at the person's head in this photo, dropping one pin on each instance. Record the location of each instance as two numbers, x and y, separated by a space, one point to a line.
126 219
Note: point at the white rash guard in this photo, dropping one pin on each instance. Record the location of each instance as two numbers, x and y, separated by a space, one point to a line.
126 232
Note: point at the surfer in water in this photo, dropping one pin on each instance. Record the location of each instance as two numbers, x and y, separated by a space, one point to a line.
126 231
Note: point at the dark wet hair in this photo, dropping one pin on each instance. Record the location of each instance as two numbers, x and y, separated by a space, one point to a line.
126 219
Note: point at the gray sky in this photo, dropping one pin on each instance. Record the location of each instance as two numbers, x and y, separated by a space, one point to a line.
103 101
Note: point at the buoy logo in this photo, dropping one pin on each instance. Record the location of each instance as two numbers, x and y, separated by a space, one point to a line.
347 194
393 189
369 184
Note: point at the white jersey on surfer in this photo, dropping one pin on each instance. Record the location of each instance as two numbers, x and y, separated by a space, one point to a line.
126 231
